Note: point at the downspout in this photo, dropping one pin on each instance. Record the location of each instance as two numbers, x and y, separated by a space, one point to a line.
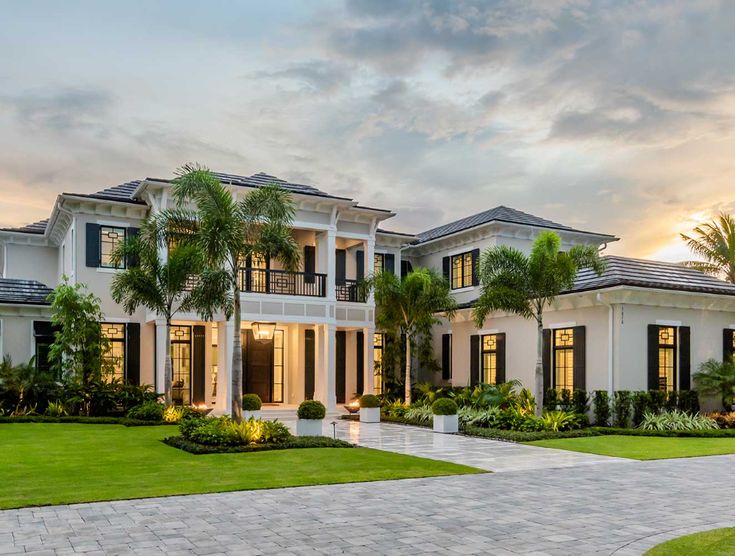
610 345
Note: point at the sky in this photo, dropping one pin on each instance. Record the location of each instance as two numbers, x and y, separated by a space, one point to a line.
614 117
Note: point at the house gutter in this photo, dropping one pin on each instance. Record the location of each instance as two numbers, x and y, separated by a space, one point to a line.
610 344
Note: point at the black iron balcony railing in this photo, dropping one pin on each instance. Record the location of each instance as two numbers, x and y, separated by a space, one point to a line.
281 282
349 290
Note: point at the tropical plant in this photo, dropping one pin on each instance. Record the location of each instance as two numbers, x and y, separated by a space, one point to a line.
395 408
715 243
717 378
227 232
163 286
77 352
173 413
498 395
676 420
725 420
25 386
558 420
419 414
407 308
148 411
56 409
525 285
429 392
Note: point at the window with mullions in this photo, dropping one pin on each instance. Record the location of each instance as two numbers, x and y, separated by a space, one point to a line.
181 365
377 360
379 263
667 358
114 356
564 359
278 366
461 270
110 238
489 359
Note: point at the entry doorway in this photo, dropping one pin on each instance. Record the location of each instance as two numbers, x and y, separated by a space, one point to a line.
263 370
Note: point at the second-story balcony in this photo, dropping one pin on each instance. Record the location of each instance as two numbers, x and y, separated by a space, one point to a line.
349 290
282 282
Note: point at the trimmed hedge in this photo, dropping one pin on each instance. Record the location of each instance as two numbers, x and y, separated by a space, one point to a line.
296 442
311 409
711 433
251 402
369 401
126 421
520 436
444 406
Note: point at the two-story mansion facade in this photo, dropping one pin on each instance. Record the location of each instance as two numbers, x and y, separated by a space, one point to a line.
307 334
310 334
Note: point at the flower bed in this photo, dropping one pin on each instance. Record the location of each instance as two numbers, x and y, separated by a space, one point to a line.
294 442
126 421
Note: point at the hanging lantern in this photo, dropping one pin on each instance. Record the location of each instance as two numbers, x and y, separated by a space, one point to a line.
263 331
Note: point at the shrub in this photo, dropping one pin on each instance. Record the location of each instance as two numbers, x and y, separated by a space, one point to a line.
526 436
641 402
311 409
551 398
395 409
419 414
294 442
717 378
676 420
621 408
216 431
55 409
657 401
257 431
580 401
689 401
601 408
147 411
559 421
724 420
173 414
444 406
369 401
251 402
222 431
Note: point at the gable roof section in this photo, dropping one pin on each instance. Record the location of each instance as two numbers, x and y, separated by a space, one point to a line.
121 193
497 214
24 292
34 228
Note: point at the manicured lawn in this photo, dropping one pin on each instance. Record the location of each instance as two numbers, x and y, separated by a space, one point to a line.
720 542
65 463
643 447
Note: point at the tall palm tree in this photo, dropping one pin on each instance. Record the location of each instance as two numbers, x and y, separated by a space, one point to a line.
408 307
227 232
524 285
715 243
161 286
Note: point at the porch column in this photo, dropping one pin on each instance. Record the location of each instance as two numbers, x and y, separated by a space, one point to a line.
225 336
369 362
160 347
326 356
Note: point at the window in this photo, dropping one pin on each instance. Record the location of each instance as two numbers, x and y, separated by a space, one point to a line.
110 238
181 364
667 358
114 357
377 360
462 271
489 359
564 359
379 263
215 355
278 366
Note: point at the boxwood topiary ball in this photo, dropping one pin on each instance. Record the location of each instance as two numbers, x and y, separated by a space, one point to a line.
369 400
251 402
311 409
444 406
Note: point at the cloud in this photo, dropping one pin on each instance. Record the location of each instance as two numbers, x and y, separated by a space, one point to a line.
314 75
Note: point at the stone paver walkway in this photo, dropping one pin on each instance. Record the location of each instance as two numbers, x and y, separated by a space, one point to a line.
609 508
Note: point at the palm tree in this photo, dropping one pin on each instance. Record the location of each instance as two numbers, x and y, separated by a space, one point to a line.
227 232
525 285
717 378
165 287
715 243
408 307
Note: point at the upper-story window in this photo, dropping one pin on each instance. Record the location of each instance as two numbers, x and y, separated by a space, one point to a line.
462 270
110 238
379 264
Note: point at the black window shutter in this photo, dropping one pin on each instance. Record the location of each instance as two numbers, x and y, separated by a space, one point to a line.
309 263
500 358
132 347
93 244
406 268
389 263
129 234
685 360
360 366
546 358
653 357
474 359
360 264
340 272
445 269
197 382
446 356
727 348
309 363
580 358
475 269
340 380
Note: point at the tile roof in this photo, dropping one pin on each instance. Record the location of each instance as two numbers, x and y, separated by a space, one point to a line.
497 214
122 193
34 228
26 292
260 179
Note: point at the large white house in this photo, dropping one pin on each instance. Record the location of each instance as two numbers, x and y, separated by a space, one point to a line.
643 324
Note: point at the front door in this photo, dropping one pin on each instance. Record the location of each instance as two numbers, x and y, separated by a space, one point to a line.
257 360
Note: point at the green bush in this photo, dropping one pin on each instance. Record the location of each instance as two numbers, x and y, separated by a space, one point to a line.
395 409
621 408
601 408
419 414
369 401
676 420
580 402
222 431
551 398
56 409
444 406
526 436
251 402
704 433
294 442
311 409
556 421
147 411
641 401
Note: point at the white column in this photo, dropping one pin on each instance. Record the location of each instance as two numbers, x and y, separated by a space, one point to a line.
225 335
369 362
160 355
326 355
370 264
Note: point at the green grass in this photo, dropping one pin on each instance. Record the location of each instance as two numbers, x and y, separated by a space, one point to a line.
66 463
643 447
719 542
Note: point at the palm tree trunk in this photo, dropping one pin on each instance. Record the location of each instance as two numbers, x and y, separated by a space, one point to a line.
539 373
236 368
408 370
167 367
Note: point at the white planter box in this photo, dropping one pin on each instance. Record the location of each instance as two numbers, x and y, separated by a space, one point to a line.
370 415
309 427
246 415
446 423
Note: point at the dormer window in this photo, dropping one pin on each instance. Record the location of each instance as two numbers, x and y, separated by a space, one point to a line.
110 238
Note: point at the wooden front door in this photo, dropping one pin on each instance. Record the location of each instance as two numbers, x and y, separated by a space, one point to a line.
258 367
